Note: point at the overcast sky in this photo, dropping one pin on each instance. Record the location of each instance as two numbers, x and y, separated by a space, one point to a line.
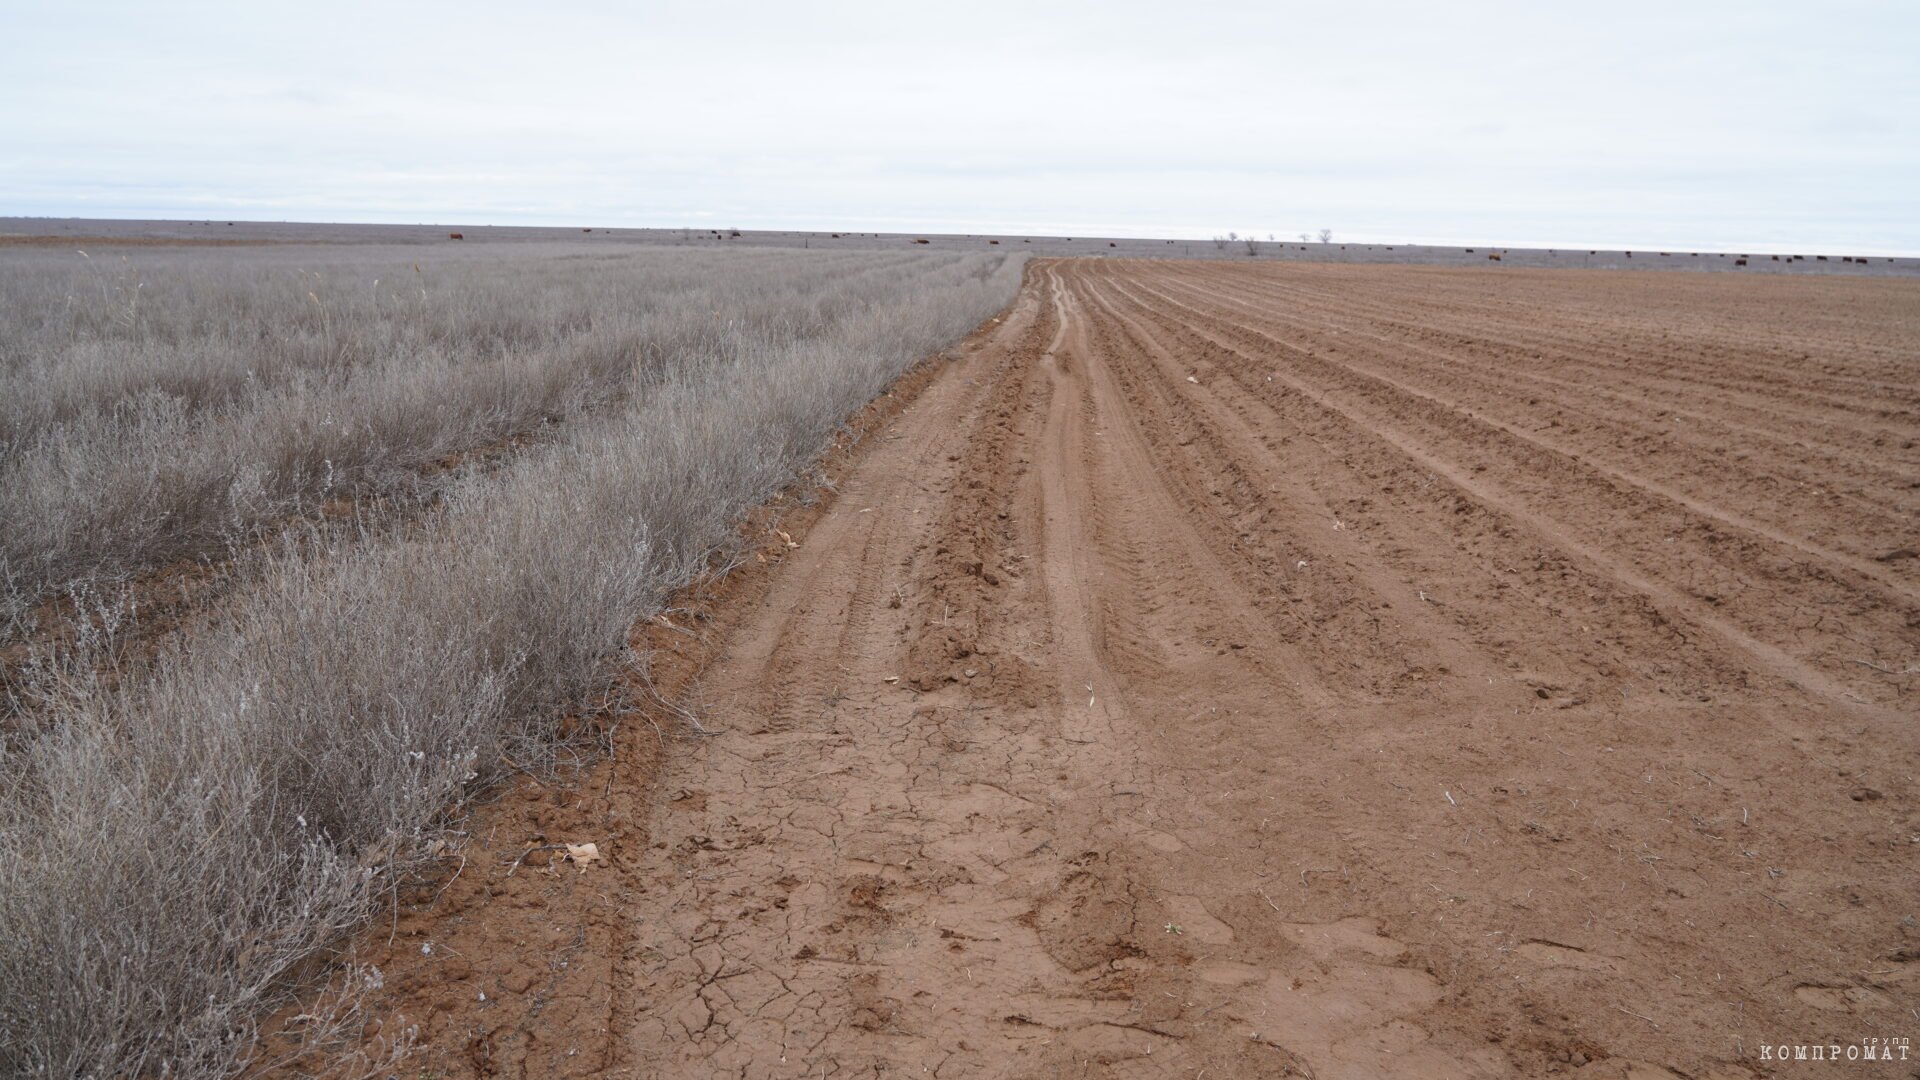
1747 125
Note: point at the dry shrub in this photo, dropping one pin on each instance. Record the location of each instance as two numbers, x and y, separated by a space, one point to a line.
153 410
178 845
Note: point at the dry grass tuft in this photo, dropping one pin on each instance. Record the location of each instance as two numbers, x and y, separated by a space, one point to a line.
178 844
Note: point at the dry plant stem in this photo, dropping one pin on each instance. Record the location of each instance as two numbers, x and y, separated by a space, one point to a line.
152 406
179 843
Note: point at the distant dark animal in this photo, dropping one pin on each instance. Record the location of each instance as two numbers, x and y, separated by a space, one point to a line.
1494 257
1112 244
1469 251
1821 258
993 241
1776 258
586 230
1739 262
456 236
923 241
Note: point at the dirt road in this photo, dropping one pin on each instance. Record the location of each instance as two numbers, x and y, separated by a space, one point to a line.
1262 671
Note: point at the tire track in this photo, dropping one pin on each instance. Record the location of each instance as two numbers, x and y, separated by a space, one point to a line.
1486 390
1900 589
1207 674
1619 344
1719 564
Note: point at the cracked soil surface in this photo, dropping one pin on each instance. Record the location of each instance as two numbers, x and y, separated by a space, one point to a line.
1226 671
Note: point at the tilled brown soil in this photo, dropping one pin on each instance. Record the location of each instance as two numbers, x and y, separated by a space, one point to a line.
1267 670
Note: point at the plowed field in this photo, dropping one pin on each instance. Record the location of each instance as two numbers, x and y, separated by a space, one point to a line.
1268 671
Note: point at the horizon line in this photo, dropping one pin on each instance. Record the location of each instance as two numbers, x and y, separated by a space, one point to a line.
1176 234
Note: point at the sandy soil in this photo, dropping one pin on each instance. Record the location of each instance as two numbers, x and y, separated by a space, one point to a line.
1268 670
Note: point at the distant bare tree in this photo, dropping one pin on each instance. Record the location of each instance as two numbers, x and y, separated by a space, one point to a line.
1326 236
1304 237
1253 244
1220 242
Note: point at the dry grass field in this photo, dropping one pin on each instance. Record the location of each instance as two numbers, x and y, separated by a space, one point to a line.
186 824
1204 668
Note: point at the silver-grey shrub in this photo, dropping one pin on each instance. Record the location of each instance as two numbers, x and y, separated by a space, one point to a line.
152 409
174 846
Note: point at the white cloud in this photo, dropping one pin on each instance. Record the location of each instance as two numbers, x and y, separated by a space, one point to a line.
1678 124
